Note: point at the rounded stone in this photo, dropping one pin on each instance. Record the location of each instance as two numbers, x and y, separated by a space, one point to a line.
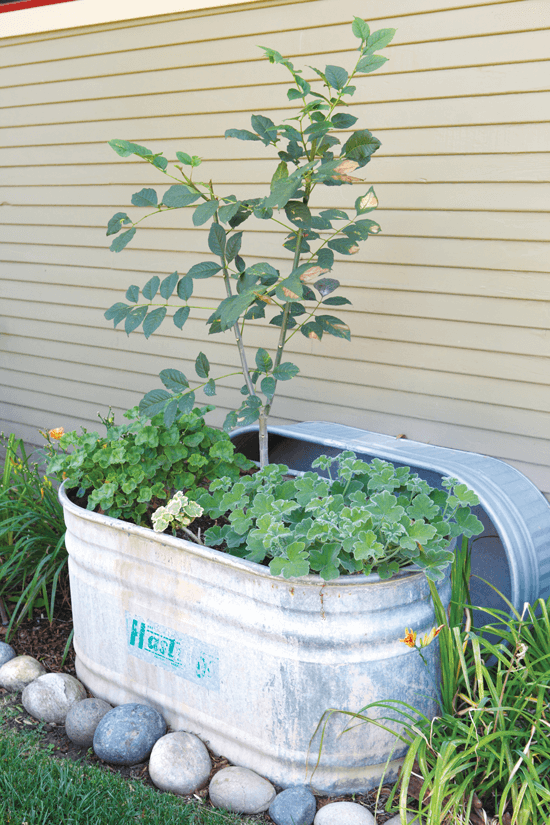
396 820
6 653
241 790
49 697
82 720
20 672
127 733
179 763
293 806
344 813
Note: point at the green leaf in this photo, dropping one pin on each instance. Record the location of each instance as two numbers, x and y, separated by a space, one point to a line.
263 360
134 318
371 63
345 246
367 202
180 195
341 120
216 240
336 301
171 412
117 312
153 402
116 223
151 288
185 287
205 269
174 380
294 94
204 212
202 365
326 285
360 145
231 309
377 40
264 127
282 191
297 212
168 285
241 134
285 371
187 160
333 326
360 28
180 316
360 230
336 76
153 321
325 258
124 148
312 330
123 240
225 213
210 387
280 172
233 246
186 403
132 294
268 386
145 197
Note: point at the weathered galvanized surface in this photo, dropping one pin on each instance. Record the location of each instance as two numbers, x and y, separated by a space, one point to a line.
513 554
246 660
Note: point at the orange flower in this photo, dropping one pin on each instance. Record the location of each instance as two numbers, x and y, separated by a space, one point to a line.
56 433
410 638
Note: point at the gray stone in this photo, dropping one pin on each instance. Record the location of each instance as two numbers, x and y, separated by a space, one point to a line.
83 719
396 820
6 653
179 763
344 813
241 791
20 672
293 806
49 697
126 734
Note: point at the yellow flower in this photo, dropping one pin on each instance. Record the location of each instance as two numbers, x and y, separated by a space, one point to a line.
429 637
410 638
56 433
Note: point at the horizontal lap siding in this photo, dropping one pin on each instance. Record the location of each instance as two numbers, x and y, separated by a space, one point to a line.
450 306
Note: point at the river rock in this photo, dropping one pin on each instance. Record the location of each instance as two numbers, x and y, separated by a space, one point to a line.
241 790
19 672
293 806
6 653
344 813
49 697
82 720
396 820
179 763
127 733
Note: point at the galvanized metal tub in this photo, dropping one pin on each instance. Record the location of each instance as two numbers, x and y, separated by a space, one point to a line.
513 553
246 660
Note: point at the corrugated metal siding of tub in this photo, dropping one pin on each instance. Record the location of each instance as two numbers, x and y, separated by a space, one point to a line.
450 312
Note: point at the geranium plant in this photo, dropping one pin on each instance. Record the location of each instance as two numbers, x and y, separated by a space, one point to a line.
369 517
302 299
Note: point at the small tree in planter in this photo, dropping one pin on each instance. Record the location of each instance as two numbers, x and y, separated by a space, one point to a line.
300 300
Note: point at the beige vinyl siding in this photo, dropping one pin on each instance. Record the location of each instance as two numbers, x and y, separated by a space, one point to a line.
450 305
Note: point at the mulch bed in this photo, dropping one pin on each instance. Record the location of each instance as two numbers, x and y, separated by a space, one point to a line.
47 643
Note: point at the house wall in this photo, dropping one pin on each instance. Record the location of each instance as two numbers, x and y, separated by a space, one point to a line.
451 304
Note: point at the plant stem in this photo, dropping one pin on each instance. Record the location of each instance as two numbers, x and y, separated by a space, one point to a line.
265 410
